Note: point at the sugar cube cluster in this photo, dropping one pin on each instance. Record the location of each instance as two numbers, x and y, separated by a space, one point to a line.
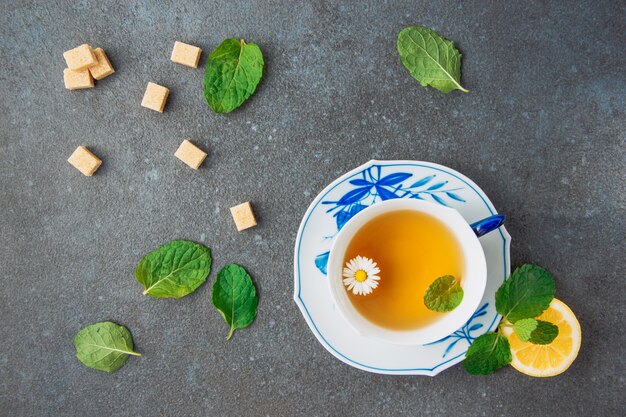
84 64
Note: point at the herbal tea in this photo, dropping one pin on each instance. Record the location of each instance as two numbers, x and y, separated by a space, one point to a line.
411 250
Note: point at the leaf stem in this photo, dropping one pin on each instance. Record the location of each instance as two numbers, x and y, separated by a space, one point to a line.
232 330
504 323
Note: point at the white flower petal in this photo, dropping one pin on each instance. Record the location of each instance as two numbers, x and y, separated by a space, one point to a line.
352 265
364 263
349 283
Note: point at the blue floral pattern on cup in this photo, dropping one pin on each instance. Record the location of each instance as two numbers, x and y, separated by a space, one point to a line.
371 186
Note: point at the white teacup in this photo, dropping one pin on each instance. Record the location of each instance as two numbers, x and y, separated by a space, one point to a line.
474 271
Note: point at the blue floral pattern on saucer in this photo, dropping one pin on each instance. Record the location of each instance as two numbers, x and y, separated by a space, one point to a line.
464 334
369 184
371 187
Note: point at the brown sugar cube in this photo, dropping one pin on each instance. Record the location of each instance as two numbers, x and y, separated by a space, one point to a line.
155 97
103 68
190 154
243 216
185 54
75 80
84 161
80 58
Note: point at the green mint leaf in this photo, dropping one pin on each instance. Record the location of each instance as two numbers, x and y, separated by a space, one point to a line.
488 353
174 270
234 296
444 294
431 59
233 71
523 328
526 294
544 334
104 346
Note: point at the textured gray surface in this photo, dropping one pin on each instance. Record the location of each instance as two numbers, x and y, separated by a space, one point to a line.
542 132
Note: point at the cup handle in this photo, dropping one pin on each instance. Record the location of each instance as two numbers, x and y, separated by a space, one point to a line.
488 224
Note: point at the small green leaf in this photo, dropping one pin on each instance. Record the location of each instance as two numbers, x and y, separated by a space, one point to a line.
544 334
233 71
430 58
104 346
174 270
488 353
523 328
234 296
526 294
444 294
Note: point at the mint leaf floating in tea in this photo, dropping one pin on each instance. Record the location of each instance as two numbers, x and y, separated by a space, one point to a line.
233 71
174 269
488 353
234 296
526 294
444 294
104 346
360 275
430 58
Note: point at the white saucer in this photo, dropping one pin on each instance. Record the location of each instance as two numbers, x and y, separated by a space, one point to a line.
368 184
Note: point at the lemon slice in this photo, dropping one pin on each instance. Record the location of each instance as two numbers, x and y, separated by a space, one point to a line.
551 359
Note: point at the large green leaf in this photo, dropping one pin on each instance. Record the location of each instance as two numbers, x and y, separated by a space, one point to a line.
174 269
233 71
526 294
444 294
488 353
104 346
431 59
234 296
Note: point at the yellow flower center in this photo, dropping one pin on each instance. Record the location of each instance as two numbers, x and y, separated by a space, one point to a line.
360 275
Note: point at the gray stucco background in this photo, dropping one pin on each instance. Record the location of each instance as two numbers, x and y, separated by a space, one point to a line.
542 132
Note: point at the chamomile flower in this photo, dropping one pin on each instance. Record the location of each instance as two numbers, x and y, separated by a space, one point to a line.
360 275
